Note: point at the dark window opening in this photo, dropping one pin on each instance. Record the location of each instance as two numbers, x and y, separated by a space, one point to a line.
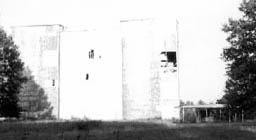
91 54
53 82
87 76
170 57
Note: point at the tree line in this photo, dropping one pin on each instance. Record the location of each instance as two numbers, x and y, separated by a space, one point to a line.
20 96
240 58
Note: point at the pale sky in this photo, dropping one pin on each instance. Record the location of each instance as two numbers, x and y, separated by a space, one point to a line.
200 22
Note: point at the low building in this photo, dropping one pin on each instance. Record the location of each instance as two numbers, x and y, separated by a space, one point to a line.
201 113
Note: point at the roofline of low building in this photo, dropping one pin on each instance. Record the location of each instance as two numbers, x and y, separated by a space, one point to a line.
204 106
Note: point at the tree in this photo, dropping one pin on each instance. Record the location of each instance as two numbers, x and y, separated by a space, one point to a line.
33 100
201 102
189 103
240 90
11 77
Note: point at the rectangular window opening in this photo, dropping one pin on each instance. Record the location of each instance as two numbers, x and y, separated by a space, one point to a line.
91 54
169 57
53 82
87 76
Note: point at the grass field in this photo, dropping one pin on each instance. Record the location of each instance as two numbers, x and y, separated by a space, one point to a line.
97 130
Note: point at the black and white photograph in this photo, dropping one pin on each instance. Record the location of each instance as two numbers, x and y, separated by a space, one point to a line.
127 69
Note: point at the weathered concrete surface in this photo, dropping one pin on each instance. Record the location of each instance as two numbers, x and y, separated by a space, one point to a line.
38 46
108 73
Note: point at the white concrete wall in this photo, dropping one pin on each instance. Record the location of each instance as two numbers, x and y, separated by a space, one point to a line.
148 91
99 97
125 77
169 75
139 67
38 47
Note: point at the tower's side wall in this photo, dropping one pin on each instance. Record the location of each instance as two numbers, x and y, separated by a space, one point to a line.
150 86
141 89
38 47
169 73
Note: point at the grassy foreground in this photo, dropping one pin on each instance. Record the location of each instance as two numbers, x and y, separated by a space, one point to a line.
97 130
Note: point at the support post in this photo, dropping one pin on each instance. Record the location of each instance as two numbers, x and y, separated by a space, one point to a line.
183 114
235 117
229 119
220 114
242 115
59 33
199 115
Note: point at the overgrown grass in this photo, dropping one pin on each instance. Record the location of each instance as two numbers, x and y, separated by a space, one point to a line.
97 130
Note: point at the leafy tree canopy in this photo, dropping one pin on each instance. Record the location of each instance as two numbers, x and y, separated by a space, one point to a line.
201 102
240 56
11 77
33 100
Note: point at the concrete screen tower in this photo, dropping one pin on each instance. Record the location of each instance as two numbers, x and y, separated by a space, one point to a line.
141 70
124 70
150 77
39 49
